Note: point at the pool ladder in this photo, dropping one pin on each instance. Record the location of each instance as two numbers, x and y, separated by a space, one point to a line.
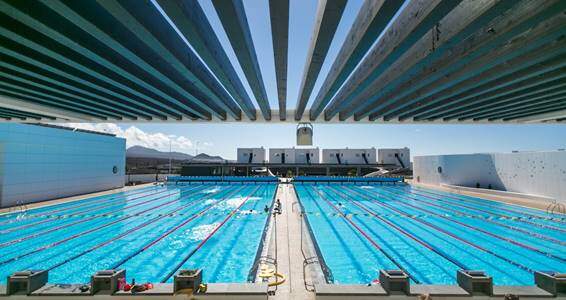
555 208
20 208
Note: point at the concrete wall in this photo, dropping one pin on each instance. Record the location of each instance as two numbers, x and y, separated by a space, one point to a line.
387 156
301 155
294 155
536 173
276 155
257 153
349 156
40 163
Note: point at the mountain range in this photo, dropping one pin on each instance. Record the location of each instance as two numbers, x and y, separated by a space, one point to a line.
144 152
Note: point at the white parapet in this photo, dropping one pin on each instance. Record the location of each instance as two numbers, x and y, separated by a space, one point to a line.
535 173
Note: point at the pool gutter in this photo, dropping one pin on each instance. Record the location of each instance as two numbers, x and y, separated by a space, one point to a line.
265 241
322 273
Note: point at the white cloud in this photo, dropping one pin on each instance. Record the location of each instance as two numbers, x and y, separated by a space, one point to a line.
137 137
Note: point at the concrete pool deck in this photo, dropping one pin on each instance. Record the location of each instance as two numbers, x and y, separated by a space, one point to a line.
303 281
525 200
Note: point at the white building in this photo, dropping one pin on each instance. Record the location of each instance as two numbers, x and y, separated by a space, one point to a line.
294 155
535 173
251 155
400 157
349 156
281 155
46 162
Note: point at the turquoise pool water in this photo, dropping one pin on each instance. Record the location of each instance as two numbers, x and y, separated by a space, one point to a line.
151 232
430 234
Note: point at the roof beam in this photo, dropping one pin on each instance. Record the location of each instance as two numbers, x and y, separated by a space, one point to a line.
544 109
279 16
478 113
520 107
373 17
144 21
33 91
83 55
502 82
515 63
432 56
82 73
417 18
193 24
41 81
476 97
515 87
559 115
235 24
525 29
116 102
328 17
187 108
13 103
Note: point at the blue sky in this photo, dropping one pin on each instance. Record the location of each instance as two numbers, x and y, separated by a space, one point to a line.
223 139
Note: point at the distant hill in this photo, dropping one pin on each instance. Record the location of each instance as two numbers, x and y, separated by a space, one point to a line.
143 152
205 158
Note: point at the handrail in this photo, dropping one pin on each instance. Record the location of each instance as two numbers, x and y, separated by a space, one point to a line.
325 269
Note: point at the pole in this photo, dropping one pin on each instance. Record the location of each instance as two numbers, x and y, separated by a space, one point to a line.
169 156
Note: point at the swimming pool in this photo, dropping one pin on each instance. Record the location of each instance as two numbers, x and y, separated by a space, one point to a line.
428 233
151 232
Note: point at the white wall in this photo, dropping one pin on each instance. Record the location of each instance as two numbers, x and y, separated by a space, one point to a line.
387 156
294 155
276 155
39 163
536 173
301 155
349 156
257 153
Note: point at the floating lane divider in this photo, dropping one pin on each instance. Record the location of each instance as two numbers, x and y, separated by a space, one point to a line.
482 231
495 214
49 218
374 243
190 254
98 246
24 226
172 230
76 204
41 233
506 217
405 232
533 234
81 234
490 203
457 237
465 225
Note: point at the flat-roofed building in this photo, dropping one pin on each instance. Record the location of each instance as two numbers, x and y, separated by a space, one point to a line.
251 155
282 155
349 156
294 155
400 157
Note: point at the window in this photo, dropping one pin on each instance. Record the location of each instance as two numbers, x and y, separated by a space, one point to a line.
439 170
115 169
